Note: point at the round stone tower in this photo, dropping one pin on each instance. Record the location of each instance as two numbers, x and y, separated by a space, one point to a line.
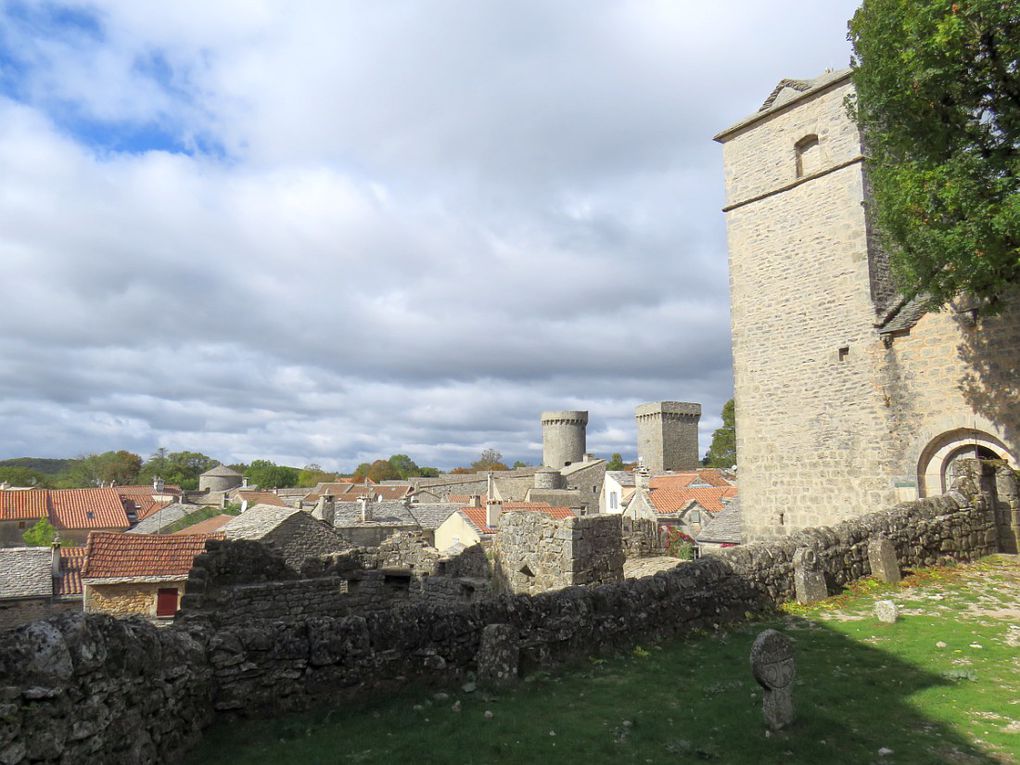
563 438
219 478
548 478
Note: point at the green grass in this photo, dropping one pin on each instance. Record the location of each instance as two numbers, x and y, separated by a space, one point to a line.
861 687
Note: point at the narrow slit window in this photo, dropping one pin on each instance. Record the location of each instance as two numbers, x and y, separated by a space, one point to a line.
844 352
808 156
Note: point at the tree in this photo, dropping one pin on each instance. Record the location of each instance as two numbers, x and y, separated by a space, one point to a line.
938 102
21 476
312 474
519 464
490 459
177 468
269 475
723 451
121 467
615 462
41 534
404 465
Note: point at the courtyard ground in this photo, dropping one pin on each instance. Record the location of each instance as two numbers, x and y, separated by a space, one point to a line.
942 685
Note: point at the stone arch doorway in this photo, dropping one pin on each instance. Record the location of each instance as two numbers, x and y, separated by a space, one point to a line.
936 469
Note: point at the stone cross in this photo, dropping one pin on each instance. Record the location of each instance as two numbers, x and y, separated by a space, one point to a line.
498 655
882 557
773 666
808 579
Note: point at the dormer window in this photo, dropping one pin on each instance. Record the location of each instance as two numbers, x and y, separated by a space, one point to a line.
808 155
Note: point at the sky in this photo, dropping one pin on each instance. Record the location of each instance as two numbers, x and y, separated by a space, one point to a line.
328 232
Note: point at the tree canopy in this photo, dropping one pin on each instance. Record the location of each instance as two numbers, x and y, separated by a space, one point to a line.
177 468
489 459
723 451
616 462
120 467
41 534
938 102
268 475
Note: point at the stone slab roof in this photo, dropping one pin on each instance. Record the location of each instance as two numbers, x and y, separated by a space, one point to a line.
26 572
258 521
159 520
905 316
348 514
578 467
726 527
114 556
222 470
432 515
785 93
622 477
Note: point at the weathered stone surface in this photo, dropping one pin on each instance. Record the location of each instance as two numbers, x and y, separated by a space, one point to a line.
882 558
808 578
774 667
886 611
498 655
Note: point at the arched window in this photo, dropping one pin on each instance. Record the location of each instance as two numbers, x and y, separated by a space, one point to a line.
809 157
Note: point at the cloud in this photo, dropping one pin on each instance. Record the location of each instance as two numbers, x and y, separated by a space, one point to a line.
331 232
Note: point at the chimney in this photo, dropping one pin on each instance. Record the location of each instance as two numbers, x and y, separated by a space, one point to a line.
157 485
55 558
366 511
223 500
490 488
244 482
492 512
475 501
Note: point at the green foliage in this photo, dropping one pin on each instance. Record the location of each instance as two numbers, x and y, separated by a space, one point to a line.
489 459
428 472
519 464
120 467
198 516
938 101
616 462
269 475
178 468
41 534
404 465
679 545
310 475
723 451
23 476
50 467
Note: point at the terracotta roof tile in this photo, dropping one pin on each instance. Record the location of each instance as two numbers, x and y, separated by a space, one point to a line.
711 476
146 507
476 515
110 555
208 526
146 491
88 509
24 504
72 559
260 498
668 500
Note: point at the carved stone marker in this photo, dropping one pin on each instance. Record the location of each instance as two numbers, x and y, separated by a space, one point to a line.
498 655
882 557
808 579
774 668
886 611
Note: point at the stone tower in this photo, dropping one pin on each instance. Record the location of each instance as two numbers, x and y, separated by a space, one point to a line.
849 398
563 438
667 435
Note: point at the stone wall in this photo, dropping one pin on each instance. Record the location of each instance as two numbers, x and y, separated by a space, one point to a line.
92 689
14 613
534 553
640 538
130 599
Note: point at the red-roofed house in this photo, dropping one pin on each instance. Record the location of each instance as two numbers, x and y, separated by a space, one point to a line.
20 510
684 501
138 574
76 512
471 525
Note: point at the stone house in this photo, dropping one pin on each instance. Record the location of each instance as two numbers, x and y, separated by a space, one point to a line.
617 489
20 510
364 523
26 585
293 533
682 501
724 530
137 574
849 398
478 524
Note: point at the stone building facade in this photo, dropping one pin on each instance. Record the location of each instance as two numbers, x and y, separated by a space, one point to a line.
847 397
667 435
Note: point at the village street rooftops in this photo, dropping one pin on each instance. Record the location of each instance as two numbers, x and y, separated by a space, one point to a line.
146 490
258 521
26 572
431 516
139 556
476 515
24 504
622 477
668 500
380 513
208 526
259 498
72 560
726 527
162 517
347 492
690 479
88 509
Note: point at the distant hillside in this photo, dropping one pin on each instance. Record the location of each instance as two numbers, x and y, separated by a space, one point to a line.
39 464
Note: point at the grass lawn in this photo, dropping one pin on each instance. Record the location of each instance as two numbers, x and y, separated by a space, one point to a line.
942 685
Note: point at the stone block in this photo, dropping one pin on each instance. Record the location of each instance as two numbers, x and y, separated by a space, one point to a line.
498 657
774 667
808 580
886 611
882 557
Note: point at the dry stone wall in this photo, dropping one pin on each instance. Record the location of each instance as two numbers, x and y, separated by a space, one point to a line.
94 689
534 553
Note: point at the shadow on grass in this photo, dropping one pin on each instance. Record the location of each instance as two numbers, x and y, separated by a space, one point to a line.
689 700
